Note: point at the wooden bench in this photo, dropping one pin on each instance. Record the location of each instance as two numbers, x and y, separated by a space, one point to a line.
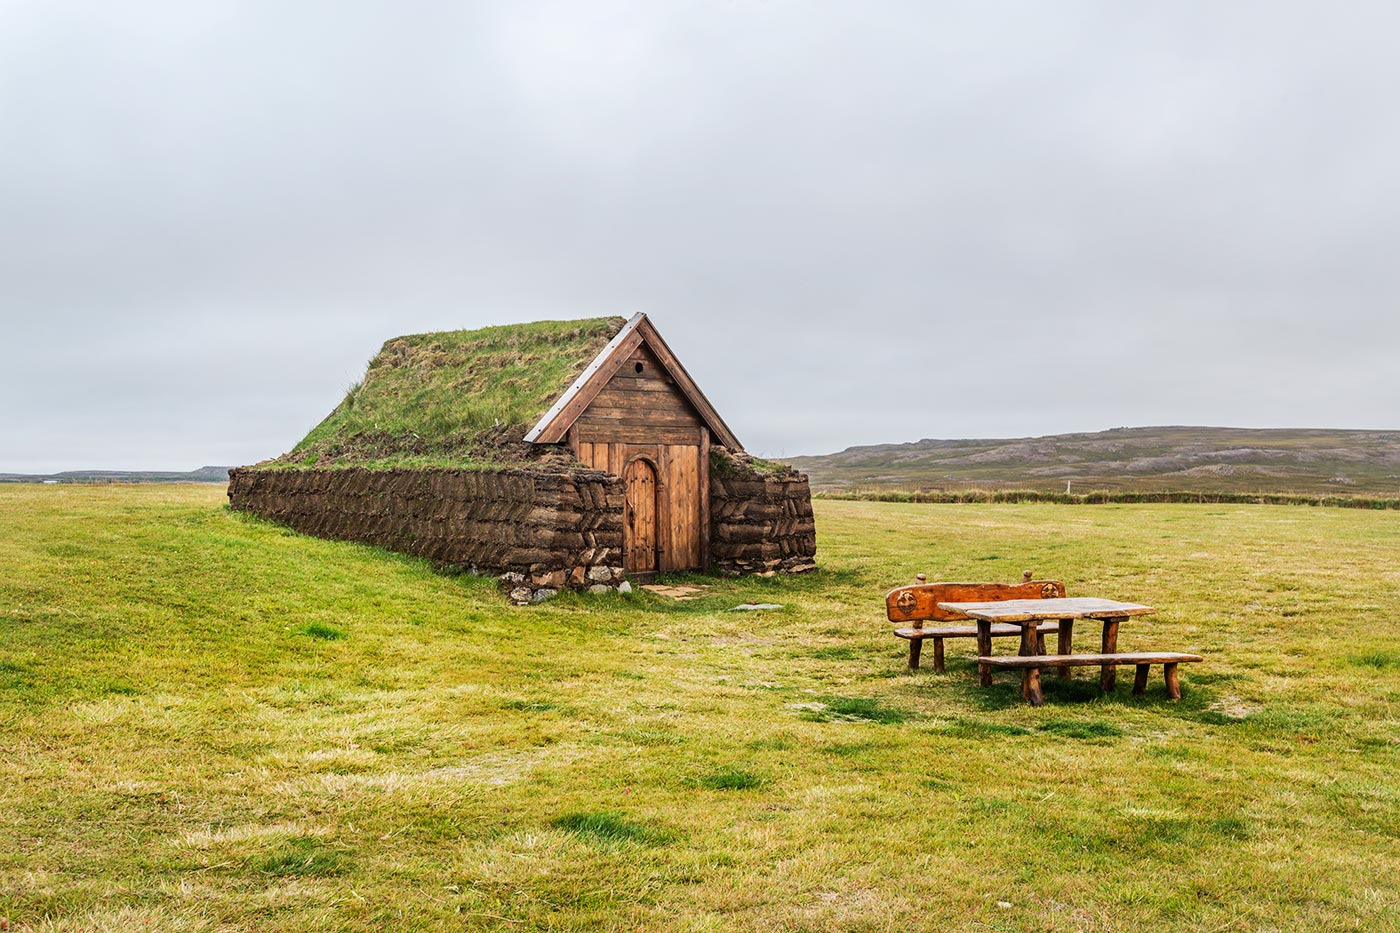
1031 666
918 604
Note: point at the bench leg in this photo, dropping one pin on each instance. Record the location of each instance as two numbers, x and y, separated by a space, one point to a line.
1030 687
1173 681
984 648
916 645
938 655
1065 646
1107 674
1140 681
1040 643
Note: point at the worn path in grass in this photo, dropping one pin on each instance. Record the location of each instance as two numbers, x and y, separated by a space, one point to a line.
210 723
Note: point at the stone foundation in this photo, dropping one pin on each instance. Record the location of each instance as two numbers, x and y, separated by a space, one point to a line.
540 532
760 522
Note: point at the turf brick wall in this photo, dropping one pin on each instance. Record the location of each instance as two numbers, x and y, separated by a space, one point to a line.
539 531
543 530
761 523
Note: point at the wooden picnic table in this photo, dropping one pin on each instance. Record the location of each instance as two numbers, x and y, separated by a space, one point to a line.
1030 613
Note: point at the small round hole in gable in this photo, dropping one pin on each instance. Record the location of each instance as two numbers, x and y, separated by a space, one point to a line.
640 367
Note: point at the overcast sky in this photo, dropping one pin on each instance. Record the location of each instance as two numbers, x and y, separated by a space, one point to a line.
855 222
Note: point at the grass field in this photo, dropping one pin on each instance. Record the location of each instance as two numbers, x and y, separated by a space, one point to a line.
210 723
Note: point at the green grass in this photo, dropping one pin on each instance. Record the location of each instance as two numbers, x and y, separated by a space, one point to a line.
1380 660
453 398
853 709
300 856
1081 729
729 777
322 631
1170 496
179 752
609 827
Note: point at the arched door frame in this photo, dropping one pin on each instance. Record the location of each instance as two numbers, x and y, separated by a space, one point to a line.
659 513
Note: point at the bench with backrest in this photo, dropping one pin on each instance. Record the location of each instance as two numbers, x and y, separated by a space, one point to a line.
917 604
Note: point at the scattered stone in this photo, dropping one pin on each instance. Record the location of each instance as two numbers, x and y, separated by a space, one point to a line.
624 587
552 580
769 573
520 595
513 578
755 607
576 578
600 574
600 588
542 594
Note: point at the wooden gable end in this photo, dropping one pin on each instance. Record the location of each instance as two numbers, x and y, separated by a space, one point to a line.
637 344
640 404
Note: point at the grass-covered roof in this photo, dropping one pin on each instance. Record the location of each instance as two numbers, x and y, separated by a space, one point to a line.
455 398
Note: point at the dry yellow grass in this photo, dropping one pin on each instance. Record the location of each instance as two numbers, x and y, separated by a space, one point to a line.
210 724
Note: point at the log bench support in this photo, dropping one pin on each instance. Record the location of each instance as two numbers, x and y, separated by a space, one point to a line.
1107 674
1030 666
916 636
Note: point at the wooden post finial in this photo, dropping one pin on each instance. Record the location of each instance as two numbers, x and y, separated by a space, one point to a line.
921 578
1025 576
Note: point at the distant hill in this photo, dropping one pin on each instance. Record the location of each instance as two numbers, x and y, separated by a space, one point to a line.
205 474
1192 459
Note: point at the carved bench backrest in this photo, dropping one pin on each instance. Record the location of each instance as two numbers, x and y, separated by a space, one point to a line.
919 603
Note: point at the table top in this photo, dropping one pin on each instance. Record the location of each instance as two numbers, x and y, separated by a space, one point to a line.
1037 610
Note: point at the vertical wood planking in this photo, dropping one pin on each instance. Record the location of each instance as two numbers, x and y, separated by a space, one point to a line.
675 489
663 511
684 497
702 481
642 414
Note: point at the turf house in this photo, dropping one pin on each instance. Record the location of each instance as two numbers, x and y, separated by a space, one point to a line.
553 454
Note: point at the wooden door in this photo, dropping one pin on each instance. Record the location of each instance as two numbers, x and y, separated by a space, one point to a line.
641 416
639 525
681 521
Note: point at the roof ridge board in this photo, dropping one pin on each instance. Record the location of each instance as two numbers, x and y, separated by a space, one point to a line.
687 384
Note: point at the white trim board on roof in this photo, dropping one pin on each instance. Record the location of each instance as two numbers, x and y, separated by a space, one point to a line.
639 331
584 376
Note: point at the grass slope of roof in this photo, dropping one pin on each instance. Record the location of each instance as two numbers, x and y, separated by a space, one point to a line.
455 398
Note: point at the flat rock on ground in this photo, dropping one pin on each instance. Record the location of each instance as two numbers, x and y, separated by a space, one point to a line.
676 592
